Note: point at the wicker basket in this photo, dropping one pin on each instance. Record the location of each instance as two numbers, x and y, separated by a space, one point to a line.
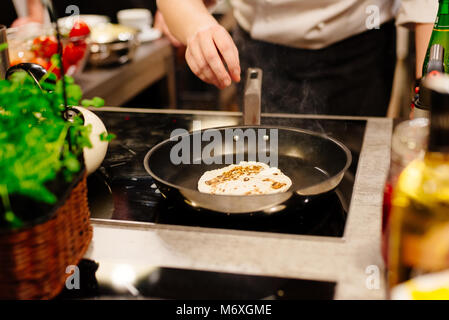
33 260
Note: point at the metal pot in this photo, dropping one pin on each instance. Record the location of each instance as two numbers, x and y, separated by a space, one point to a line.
112 44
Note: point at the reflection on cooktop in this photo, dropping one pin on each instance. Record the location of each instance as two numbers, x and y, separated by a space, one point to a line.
184 284
167 283
122 190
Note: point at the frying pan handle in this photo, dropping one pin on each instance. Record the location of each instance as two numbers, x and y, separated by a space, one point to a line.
252 97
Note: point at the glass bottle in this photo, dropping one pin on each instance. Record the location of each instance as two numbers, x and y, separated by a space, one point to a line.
408 143
419 224
440 35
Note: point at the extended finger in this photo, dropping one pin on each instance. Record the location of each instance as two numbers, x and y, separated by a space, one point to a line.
229 51
210 53
198 70
204 68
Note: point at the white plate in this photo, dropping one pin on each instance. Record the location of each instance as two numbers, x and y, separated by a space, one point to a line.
149 34
92 20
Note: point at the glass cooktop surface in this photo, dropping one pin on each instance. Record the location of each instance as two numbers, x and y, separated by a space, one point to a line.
184 284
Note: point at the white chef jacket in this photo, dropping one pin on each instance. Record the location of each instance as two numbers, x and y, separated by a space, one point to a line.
315 24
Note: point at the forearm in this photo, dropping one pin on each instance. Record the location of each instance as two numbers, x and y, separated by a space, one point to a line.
35 10
422 38
185 17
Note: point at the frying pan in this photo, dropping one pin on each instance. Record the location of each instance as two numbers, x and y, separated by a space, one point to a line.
314 162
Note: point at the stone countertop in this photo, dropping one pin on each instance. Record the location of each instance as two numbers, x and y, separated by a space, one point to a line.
354 261
118 84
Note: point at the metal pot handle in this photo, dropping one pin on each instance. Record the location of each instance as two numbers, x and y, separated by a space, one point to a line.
36 71
252 97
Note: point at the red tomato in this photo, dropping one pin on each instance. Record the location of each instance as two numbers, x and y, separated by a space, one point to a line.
72 53
56 71
80 43
53 69
67 65
37 43
50 47
79 29
45 47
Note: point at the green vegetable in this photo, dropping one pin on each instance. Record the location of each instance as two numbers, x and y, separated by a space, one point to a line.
36 142
95 102
56 60
107 137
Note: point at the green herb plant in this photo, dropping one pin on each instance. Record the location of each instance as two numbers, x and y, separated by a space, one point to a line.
36 143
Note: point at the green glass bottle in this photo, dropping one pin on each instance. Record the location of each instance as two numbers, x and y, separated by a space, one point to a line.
440 35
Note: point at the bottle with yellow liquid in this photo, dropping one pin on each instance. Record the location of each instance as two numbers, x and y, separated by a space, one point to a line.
419 222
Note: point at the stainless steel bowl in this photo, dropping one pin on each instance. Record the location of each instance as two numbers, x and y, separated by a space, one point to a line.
112 44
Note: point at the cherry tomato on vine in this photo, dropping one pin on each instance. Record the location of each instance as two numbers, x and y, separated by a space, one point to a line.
45 47
73 53
79 29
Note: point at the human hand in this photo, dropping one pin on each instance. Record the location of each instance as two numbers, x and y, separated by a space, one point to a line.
212 56
24 21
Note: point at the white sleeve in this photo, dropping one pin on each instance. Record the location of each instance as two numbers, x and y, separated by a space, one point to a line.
417 11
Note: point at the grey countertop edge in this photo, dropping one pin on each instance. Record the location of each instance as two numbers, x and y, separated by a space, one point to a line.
354 261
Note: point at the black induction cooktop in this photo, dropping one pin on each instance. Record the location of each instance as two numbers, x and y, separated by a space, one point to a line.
184 284
122 190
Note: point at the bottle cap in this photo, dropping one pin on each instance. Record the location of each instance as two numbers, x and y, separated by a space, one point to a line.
436 59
